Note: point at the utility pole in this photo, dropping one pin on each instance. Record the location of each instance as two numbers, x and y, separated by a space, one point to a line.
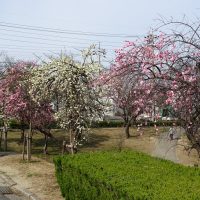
150 41
99 55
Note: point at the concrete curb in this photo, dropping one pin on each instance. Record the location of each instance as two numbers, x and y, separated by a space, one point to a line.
13 185
9 182
25 192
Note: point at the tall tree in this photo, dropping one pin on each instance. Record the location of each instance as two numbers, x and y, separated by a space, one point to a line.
70 84
18 101
182 40
6 62
171 61
129 92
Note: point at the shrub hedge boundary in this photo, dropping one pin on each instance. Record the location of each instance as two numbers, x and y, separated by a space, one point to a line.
15 124
95 176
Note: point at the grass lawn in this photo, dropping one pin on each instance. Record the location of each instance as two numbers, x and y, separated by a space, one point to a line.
99 139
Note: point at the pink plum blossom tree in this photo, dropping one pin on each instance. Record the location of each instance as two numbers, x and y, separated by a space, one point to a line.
129 92
171 62
19 103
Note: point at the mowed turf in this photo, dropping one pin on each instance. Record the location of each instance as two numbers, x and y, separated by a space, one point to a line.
98 139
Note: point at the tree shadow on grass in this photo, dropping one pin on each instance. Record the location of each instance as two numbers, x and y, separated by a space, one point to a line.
95 140
16 140
54 145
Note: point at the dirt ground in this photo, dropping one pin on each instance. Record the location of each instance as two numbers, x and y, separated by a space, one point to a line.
37 177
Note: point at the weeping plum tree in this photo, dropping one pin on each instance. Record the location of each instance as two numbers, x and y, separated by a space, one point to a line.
70 85
171 61
182 40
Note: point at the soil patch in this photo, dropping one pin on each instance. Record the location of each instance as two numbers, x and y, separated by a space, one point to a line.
38 176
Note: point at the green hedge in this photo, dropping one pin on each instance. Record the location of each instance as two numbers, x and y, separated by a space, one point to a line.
15 124
160 123
107 124
125 175
112 123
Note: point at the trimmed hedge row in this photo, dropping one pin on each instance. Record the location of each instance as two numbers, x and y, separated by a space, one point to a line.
125 175
107 124
14 124
161 123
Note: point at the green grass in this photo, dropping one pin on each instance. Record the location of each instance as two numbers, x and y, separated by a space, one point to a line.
100 138
126 175
54 145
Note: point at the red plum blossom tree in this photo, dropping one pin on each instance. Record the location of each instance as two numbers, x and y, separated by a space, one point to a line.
19 104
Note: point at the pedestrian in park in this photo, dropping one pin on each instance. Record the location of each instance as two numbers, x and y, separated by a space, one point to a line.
140 130
156 129
172 131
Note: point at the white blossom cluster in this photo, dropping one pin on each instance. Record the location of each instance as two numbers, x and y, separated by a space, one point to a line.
69 84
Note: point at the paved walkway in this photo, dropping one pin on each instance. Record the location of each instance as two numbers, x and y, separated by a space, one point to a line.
6 190
166 148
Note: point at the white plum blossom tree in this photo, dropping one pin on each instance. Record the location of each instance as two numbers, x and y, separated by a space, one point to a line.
70 85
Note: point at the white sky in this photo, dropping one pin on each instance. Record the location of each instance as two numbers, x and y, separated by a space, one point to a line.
129 17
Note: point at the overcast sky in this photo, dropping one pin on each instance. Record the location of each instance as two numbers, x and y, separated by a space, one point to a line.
124 17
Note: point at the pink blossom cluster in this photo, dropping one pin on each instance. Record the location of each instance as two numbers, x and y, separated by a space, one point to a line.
161 70
16 100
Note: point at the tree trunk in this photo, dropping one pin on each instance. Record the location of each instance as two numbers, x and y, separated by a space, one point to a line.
192 135
24 147
1 134
71 142
46 144
22 136
71 147
127 131
64 147
125 121
29 142
5 138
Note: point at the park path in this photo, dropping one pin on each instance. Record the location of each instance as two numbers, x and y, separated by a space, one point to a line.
35 180
6 191
10 190
166 148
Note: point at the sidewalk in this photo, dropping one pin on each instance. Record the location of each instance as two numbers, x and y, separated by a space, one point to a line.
7 189
165 148
10 190
35 180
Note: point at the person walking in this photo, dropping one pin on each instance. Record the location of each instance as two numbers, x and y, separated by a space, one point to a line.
172 131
